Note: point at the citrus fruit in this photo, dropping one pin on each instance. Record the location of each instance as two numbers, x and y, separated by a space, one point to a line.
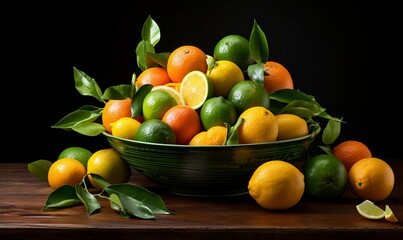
109 165
350 151
173 92
125 127
217 111
155 76
176 86
224 75
156 103
291 126
371 179
155 131
196 88
234 48
184 121
115 109
389 215
185 59
259 125
325 177
247 94
216 135
277 185
65 171
369 210
278 77
79 153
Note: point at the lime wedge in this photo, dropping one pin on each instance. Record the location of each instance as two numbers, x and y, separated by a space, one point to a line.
389 215
369 210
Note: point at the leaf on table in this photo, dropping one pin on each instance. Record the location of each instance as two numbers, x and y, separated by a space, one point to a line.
40 168
117 205
90 202
61 197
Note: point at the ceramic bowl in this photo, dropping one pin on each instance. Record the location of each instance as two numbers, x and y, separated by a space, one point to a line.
206 171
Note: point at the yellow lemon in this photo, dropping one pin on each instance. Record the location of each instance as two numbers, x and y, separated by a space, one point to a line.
291 126
224 75
125 127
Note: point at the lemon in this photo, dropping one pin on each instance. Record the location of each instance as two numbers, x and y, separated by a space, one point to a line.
389 215
369 210
291 126
156 103
276 185
125 127
79 153
196 88
224 75
108 164
172 91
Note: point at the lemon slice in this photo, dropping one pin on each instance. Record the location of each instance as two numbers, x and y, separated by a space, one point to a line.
369 210
174 93
196 88
389 215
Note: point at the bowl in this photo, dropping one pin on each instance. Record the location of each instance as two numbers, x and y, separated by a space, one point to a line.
206 171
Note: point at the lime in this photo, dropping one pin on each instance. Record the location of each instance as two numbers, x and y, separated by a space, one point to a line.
389 215
217 111
325 176
247 94
156 103
79 153
369 210
224 75
196 88
234 48
155 131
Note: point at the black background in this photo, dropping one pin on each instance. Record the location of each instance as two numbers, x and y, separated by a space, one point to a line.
333 49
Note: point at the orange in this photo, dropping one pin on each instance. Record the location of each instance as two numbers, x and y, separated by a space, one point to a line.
259 125
185 122
115 109
216 135
351 151
185 59
66 171
371 179
291 126
278 77
155 76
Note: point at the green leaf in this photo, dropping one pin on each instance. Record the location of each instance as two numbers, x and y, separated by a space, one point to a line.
326 149
258 45
40 168
84 114
119 92
150 31
140 194
232 138
288 95
158 58
90 202
90 129
86 85
61 197
256 72
137 102
331 132
117 205
143 48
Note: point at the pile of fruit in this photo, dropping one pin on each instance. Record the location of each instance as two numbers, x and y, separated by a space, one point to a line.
233 96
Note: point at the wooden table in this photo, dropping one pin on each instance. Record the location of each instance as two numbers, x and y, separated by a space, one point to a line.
22 197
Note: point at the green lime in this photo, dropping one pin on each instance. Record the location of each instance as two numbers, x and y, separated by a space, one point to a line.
79 153
234 48
247 94
325 176
216 111
156 103
155 131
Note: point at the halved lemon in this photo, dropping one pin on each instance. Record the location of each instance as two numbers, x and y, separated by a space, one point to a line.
196 88
174 93
389 215
369 210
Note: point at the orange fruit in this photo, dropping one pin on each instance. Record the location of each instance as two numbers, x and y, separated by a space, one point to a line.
371 179
185 59
291 126
66 171
185 122
279 77
259 125
216 135
351 151
155 76
115 109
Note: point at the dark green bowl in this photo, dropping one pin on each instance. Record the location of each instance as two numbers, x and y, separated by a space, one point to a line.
208 171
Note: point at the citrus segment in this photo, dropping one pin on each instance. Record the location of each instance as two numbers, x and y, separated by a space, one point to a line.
369 210
172 91
196 88
389 215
